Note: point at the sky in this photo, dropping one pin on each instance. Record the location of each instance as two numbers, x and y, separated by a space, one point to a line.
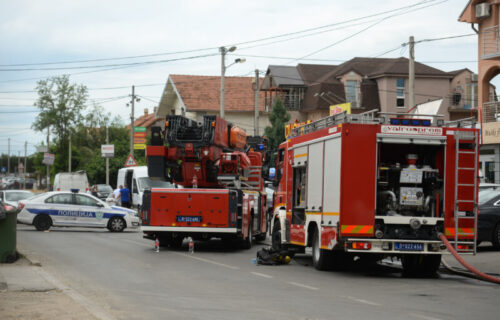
126 43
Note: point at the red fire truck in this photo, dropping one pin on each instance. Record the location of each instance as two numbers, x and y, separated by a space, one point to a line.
221 176
372 187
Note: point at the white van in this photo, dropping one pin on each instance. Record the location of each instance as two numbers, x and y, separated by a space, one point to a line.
65 181
137 179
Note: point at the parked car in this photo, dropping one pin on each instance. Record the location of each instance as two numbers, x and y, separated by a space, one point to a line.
12 197
103 191
489 217
65 208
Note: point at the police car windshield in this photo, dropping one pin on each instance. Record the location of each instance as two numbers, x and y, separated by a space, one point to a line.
146 182
487 195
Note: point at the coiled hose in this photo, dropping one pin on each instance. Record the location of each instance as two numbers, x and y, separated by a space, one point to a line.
478 274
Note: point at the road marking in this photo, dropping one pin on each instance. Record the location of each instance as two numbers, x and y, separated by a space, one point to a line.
261 275
371 303
303 285
423 317
90 306
206 260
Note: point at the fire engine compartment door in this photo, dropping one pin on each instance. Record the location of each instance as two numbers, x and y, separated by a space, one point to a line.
314 192
299 156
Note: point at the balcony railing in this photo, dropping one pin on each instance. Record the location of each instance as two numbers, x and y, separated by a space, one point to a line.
491 111
490 43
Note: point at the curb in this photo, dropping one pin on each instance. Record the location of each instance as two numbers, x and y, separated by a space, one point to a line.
32 261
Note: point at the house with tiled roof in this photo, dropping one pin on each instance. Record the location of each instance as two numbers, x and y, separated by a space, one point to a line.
196 96
368 84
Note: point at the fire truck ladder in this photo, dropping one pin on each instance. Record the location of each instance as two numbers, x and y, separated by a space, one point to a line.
466 145
252 181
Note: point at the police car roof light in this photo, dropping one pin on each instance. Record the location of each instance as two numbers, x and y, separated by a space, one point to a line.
75 190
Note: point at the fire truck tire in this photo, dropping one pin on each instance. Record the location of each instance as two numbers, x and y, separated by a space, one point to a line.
42 222
261 237
247 242
322 259
420 265
495 239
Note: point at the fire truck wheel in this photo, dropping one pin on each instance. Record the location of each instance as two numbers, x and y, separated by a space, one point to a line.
496 237
322 259
261 237
42 222
420 265
247 242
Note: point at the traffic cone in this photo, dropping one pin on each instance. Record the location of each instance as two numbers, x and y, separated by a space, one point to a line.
157 245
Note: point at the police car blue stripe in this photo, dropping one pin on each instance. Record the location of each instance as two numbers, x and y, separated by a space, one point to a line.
74 213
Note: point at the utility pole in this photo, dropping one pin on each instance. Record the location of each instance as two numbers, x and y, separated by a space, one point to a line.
256 113
107 159
25 163
8 159
223 51
69 153
48 150
411 73
18 160
132 102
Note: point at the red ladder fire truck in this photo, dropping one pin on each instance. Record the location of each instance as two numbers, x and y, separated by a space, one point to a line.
221 176
372 187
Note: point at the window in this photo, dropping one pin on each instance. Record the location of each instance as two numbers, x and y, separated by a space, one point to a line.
351 91
400 93
61 199
85 201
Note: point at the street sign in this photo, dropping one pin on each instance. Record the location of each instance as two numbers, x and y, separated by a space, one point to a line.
139 140
139 129
4 169
139 134
41 149
130 162
107 150
48 158
140 146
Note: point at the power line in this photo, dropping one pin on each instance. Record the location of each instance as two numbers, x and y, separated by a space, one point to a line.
370 26
215 48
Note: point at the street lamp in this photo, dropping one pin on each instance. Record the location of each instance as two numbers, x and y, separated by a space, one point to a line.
223 51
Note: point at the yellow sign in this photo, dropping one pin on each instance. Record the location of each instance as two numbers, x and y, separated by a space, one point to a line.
290 126
140 146
339 108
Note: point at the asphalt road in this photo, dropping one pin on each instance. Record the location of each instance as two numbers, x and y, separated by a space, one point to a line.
121 274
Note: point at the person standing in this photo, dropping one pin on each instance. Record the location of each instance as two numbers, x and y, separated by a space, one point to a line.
125 197
116 195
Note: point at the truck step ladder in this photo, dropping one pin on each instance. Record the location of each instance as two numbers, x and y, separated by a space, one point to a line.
465 141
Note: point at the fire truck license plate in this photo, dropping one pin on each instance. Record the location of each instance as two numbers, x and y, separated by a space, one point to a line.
408 246
188 218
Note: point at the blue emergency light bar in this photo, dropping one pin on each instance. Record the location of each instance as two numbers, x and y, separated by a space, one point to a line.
407 122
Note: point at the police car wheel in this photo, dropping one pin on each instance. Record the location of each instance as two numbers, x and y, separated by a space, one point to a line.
116 224
42 222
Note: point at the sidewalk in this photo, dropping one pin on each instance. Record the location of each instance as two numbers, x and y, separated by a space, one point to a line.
25 293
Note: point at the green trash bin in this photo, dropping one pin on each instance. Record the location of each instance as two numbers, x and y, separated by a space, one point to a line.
8 224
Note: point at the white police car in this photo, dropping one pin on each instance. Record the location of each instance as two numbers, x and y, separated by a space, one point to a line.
64 209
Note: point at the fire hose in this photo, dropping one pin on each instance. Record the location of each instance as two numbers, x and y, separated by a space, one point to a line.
476 273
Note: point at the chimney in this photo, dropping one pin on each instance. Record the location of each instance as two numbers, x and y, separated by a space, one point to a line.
145 111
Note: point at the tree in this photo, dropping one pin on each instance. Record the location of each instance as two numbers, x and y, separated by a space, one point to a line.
61 106
278 118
